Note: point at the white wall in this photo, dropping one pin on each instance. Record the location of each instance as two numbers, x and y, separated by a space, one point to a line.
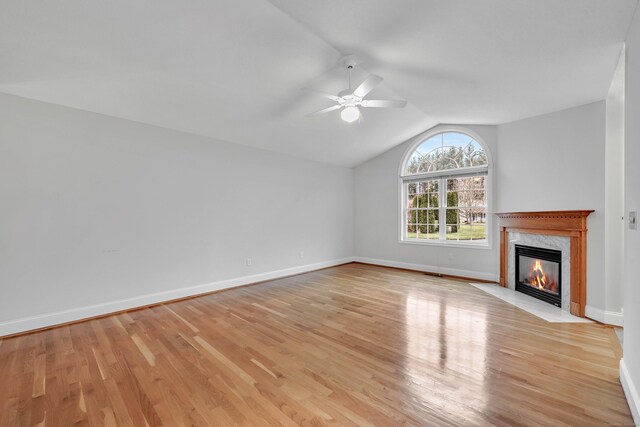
377 215
614 196
556 162
98 210
630 365
538 165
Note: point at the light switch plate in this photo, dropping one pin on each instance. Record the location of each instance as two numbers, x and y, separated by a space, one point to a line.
633 224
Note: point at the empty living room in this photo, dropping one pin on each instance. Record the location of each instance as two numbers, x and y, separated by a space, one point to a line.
320 213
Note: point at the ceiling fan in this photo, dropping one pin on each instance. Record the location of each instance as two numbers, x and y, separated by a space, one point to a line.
350 100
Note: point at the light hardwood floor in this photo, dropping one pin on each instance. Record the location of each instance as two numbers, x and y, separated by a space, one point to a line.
351 345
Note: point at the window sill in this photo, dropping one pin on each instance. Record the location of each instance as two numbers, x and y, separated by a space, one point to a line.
450 244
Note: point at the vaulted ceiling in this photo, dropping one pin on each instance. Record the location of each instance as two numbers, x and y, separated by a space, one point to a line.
234 70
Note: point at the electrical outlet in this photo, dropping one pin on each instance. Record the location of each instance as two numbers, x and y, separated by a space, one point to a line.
249 261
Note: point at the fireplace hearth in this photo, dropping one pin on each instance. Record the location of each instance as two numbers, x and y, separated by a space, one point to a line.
538 273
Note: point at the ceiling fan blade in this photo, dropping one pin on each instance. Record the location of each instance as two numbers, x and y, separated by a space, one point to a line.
383 103
326 110
367 86
323 94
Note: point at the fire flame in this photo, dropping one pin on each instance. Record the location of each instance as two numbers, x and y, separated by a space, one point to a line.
538 278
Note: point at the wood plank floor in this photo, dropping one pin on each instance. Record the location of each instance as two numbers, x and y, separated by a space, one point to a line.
352 345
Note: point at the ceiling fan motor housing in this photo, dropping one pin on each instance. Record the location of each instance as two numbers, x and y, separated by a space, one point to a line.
347 98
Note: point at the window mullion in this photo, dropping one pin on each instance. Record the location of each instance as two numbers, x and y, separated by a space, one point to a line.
442 195
404 200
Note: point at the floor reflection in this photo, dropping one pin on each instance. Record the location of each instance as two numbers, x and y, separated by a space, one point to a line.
444 339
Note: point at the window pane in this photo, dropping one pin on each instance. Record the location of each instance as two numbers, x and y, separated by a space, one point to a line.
465 232
417 199
426 194
430 232
422 200
435 216
478 216
445 151
465 216
453 198
453 224
479 232
433 195
411 201
427 216
422 216
453 216
466 192
422 224
412 216
480 197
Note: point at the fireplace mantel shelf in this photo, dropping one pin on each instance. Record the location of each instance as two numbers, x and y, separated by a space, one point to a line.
581 213
546 220
572 224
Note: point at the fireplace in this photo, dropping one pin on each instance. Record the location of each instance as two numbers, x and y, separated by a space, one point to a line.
571 225
539 273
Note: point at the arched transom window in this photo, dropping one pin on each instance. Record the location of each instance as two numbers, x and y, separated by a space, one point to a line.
444 186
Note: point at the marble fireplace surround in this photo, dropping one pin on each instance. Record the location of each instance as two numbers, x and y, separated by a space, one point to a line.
560 243
563 230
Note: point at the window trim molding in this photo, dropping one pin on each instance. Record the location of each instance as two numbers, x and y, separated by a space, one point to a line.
403 178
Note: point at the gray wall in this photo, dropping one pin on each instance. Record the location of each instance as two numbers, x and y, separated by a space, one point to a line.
631 356
97 209
614 192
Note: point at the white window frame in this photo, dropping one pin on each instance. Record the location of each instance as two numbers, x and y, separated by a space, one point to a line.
404 179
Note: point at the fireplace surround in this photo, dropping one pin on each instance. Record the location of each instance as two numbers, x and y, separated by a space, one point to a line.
569 225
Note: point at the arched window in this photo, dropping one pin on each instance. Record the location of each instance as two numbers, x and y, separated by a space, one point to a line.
444 190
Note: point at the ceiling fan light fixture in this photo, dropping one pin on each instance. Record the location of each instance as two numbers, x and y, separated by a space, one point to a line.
350 114
349 101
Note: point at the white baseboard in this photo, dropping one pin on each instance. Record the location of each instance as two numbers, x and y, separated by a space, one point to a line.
603 316
631 392
60 317
429 268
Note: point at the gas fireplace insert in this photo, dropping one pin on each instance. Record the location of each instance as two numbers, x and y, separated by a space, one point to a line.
539 273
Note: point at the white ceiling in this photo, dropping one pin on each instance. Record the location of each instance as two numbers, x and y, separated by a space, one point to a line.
233 69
